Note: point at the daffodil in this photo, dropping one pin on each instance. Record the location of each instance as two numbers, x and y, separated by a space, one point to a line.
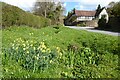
24 49
48 50
33 48
16 48
24 45
12 44
43 51
31 45
50 61
27 52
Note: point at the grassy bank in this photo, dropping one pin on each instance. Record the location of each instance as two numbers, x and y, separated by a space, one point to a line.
57 52
12 15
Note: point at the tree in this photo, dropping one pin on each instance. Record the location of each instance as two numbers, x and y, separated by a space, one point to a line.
114 9
43 8
111 4
98 10
51 10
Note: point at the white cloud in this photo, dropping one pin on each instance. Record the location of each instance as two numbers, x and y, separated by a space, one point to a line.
94 2
26 4
80 7
65 4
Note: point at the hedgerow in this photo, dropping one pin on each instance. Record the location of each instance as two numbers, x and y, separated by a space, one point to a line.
12 15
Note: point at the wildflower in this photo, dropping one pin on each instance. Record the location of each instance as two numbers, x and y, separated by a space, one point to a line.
48 50
27 47
38 55
14 41
26 41
31 41
13 47
60 54
44 57
43 46
31 45
24 49
27 52
38 48
12 44
23 45
37 58
50 61
33 48
58 49
43 51
16 48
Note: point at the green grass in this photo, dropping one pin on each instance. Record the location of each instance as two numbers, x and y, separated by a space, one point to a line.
103 46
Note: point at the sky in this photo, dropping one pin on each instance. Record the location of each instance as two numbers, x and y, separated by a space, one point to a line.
68 4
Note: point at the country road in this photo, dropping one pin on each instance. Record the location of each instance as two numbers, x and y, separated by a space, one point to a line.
91 29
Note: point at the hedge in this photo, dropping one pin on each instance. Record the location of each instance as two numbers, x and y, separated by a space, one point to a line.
12 15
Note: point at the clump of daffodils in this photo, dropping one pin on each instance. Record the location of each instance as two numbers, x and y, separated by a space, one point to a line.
33 51
30 46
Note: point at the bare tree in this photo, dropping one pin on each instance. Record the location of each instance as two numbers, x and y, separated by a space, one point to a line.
51 10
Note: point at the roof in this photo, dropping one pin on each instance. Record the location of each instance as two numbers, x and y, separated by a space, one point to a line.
84 13
98 12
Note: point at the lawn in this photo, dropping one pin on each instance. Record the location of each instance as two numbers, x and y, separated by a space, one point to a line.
58 52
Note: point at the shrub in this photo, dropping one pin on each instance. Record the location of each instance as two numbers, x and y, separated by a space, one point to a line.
102 23
12 15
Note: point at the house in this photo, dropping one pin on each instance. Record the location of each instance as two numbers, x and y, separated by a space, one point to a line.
83 15
88 17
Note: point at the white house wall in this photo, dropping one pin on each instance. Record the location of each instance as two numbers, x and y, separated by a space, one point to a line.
104 12
83 18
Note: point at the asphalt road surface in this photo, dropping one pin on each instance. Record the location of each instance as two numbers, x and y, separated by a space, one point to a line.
91 29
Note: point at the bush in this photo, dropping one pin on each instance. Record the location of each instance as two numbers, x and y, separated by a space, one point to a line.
81 24
12 15
102 23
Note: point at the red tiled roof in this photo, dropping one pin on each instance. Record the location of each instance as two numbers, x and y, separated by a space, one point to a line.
84 13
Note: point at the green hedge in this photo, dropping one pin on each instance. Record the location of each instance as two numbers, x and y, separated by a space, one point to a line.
12 15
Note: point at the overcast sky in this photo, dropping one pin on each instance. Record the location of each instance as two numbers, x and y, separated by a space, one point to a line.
69 4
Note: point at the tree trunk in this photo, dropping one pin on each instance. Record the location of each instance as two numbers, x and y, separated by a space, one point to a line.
45 13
